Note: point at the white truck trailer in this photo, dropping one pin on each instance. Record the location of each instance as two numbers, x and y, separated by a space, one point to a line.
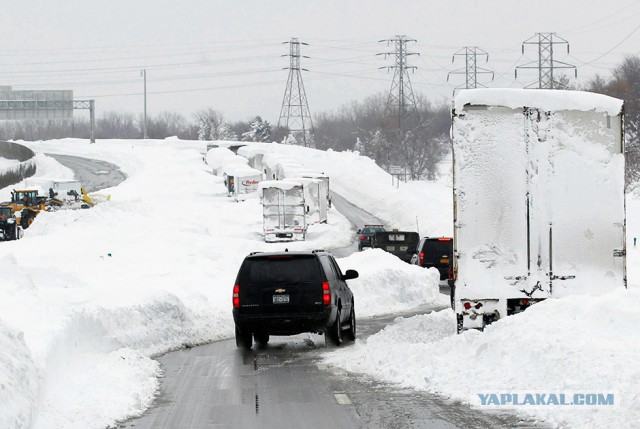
241 180
283 210
539 199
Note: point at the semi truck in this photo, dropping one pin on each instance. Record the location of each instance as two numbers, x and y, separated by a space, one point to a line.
283 210
539 199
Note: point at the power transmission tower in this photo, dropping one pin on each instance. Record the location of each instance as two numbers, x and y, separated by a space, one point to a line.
295 113
401 101
546 65
471 69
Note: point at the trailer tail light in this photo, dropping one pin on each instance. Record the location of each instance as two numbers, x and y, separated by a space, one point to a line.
450 272
421 258
524 302
236 296
326 293
467 305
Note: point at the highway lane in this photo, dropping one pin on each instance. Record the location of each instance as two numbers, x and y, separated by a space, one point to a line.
94 174
285 384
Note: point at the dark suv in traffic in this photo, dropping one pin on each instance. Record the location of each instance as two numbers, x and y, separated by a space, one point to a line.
288 293
365 235
436 252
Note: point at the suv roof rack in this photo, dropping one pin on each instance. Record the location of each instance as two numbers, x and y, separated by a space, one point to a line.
253 253
317 250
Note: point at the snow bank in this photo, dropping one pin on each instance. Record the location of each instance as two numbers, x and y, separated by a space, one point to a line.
387 285
585 344
19 380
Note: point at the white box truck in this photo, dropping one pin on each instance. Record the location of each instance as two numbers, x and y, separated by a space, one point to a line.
539 199
283 210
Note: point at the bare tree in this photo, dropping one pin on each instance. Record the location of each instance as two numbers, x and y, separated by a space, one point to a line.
212 126
116 125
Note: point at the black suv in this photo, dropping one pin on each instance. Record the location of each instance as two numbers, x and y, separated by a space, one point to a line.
366 234
288 293
436 252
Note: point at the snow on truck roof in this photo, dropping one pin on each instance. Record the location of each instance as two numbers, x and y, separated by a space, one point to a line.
546 99
238 170
280 184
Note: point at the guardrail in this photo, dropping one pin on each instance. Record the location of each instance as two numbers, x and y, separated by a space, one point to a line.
16 173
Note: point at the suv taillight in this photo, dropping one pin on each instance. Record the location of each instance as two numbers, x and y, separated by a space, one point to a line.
450 272
421 258
362 237
236 296
326 293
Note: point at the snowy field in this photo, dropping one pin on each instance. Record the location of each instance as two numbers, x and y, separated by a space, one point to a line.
89 297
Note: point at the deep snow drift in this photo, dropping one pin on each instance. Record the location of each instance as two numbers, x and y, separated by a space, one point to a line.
88 296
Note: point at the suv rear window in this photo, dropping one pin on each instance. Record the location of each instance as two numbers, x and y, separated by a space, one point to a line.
281 269
435 249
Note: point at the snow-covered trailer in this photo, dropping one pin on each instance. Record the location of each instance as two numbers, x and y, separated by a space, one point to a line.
539 199
241 180
270 163
283 210
254 152
314 197
312 174
218 157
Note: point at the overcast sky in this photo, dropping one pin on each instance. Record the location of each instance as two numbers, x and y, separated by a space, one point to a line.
229 54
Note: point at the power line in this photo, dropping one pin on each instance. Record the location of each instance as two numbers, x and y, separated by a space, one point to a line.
295 113
401 101
546 64
471 69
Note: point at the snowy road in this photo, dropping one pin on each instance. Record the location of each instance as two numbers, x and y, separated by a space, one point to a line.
94 174
284 385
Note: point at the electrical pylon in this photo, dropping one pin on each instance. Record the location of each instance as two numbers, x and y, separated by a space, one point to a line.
401 101
545 64
295 113
471 69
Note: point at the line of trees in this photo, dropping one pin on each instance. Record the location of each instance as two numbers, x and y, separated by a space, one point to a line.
624 83
364 126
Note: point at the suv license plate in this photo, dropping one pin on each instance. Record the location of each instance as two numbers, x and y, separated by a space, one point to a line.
281 299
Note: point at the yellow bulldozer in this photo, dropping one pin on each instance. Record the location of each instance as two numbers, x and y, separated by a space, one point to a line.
28 204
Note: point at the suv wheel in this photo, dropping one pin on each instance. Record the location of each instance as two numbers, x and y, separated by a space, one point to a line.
244 340
351 333
336 331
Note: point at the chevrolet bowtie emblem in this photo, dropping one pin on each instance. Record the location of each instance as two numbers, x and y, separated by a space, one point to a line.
280 290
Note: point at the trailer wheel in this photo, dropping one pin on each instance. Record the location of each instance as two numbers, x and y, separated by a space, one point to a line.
459 323
452 295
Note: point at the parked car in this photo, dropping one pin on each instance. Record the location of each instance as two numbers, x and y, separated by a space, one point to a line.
288 293
366 234
399 243
436 252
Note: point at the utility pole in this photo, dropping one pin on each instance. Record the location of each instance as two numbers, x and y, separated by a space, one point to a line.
471 69
295 113
143 73
546 65
401 101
